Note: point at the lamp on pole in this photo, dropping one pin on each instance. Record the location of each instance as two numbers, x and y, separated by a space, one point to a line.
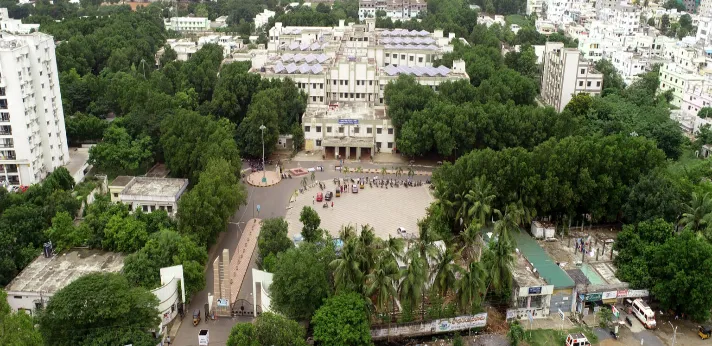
674 333
264 177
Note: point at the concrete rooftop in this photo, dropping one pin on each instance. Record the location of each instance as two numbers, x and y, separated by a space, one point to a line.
157 187
523 274
48 275
121 180
345 110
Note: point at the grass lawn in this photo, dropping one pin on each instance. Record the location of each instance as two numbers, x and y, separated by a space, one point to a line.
517 19
545 337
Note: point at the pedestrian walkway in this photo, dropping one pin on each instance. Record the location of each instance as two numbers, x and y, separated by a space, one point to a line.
240 261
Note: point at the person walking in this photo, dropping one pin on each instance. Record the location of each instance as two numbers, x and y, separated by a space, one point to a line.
168 340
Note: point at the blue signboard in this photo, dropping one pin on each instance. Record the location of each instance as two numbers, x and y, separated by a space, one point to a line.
534 290
348 121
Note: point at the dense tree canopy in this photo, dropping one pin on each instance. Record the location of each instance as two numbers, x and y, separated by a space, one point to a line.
342 321
99 309
17 328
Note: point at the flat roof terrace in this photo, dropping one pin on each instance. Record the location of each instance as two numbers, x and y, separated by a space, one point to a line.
155 187
48 275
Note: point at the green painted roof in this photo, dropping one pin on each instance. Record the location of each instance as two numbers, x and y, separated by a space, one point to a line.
545 265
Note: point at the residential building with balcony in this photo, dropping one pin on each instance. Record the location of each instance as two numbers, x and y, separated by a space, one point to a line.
705 8
33 141
566 74
15 25
394 9
187 24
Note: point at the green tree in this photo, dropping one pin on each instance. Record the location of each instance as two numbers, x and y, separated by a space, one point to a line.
655 195
413 279
82 128
705 112
263 111
382 281
169 54
21 236
310 224
120 153
471 288
272 329
273 239
126 235
498 261
94 308
233 91
204 211
605 316
697 213
242 334
445 272
612 80
63 233
302 280
17 328
342 320
297 137
515 335
348 274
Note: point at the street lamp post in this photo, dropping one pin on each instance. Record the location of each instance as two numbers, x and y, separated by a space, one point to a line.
674 333
264 177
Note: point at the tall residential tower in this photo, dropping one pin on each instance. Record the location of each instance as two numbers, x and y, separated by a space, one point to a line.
33 141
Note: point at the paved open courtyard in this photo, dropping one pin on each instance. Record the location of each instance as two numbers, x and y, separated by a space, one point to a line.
384 209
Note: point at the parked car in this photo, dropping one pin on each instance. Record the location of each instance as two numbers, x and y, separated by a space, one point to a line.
355 189
319 196
328 195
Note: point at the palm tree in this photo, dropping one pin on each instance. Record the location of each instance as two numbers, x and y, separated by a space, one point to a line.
394 246
359 169
305 182
411 172
399 172
509 223
501 262
367 247
345 170
413 277
471 287
478 200
382 280
384 171
444 273
470 239
313 176
347 232
347 269
698 212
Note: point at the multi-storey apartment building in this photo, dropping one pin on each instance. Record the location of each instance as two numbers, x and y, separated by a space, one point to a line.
705 8
187 24
566 74
394 9
33 141
15 25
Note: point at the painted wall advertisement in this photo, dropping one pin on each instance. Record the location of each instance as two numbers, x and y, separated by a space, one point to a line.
609 295
443 325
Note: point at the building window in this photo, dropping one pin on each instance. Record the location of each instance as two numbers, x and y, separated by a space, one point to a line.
411 57
388 55
307 128
588 84
145 208
379 145
369 130
580 83
318 129
328 129
390 145
116 195
341 129
341 82
598 84
379 130
356 130
583 71
390 130
169 209
318 142
403 56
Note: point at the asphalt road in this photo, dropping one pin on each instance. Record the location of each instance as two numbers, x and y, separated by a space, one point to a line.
273 202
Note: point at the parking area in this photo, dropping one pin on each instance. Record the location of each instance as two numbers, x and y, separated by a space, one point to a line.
384 209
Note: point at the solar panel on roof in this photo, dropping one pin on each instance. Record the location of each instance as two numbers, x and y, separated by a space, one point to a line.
304 46
293 45
278 68
287 57
317 69
304 68
291 68
298 57
321 58
310 58
315 46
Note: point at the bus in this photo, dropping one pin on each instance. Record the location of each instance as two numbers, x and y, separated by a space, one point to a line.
644 313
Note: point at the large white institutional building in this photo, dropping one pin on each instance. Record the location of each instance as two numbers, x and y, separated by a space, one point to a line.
33 141
344 70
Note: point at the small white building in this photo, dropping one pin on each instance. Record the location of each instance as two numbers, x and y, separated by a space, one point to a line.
147 193
42 278
261 19
187 24
531 295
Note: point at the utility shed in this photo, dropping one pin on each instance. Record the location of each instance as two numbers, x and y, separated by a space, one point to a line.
39 281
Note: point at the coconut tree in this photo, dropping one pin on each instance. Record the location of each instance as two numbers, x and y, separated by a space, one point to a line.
394 247
445 271
381 281
471 287
312 176
470 238
347 232
384 171
499 264
477 202
305 182
367 249
411 172
697 213
348 275
413 278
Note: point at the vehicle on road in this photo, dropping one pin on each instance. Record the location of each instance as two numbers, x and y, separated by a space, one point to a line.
196 317
644 313
577 339
328 195
362 184
338 192
355 189
401 230
319 196
203 337
704 332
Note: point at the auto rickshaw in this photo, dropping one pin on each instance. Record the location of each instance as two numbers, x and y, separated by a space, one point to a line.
196 317
704 332
338 192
